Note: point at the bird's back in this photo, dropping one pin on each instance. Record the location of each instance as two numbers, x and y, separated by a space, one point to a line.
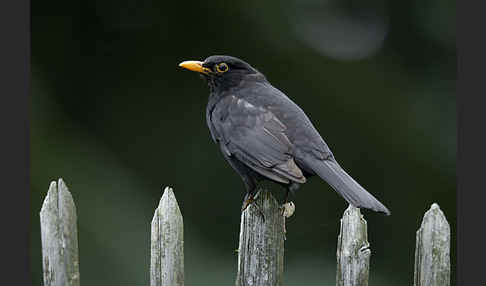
299 129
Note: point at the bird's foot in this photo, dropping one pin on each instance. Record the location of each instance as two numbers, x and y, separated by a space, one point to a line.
247 201
250 199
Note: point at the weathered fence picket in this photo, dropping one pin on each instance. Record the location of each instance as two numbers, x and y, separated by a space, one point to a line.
167 243
261 245
59 237
353 252
432 261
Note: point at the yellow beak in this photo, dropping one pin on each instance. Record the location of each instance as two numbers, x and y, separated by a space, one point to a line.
194 66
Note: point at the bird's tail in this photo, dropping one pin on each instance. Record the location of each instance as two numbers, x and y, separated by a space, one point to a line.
346 186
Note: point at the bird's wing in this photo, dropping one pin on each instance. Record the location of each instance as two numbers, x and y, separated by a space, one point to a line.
256 137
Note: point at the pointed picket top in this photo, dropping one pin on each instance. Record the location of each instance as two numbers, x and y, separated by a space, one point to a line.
432 250
59 237
353 252
167 243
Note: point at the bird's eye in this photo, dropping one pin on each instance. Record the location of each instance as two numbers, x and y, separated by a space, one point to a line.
222 67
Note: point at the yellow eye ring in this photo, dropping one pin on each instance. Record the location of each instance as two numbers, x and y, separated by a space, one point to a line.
222 67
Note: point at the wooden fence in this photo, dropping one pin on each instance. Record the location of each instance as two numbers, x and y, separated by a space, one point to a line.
261 245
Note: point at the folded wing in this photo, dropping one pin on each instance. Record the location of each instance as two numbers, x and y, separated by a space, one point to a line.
256 137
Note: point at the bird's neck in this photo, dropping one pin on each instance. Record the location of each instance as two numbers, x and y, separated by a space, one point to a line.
223 85
219 89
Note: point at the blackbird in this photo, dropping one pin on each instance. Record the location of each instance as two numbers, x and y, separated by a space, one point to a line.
264 135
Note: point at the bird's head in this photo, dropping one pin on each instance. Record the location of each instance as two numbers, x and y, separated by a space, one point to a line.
222 72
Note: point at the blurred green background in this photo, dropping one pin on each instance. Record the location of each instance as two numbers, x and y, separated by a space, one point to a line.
114 115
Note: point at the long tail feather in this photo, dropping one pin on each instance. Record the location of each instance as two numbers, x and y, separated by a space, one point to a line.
346 186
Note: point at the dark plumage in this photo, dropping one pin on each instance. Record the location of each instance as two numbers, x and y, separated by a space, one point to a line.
265 135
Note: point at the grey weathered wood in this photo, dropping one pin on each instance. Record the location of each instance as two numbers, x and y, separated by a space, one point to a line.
261 247
59 237
353 252
432 260
167 244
